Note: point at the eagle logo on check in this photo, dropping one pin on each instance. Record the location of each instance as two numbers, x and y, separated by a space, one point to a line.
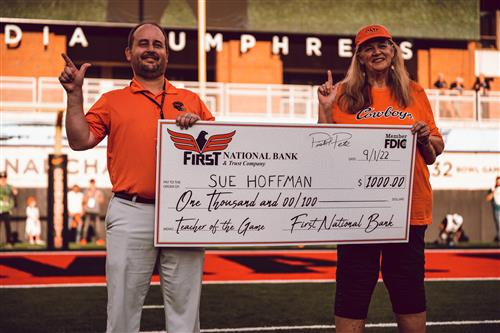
201 144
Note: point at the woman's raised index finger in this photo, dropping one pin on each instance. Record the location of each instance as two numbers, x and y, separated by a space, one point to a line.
330 78
67 60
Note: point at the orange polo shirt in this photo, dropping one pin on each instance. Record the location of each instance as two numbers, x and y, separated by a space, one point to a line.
385 111
130 120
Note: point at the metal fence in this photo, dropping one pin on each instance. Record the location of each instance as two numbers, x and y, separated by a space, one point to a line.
239 101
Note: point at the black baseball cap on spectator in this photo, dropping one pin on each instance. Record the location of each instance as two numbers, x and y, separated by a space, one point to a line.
3 174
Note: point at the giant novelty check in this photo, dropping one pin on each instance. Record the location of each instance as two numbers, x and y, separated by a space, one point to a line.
224 184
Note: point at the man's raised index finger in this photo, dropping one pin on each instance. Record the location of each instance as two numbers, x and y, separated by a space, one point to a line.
67 60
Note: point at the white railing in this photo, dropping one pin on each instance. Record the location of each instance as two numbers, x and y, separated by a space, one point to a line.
18 92
451 105
239 101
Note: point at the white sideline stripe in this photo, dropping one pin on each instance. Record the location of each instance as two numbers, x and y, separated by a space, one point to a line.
103 284
317 327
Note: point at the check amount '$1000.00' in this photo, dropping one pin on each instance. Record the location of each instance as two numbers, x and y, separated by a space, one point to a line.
224 184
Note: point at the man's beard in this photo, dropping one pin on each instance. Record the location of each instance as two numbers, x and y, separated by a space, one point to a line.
148 70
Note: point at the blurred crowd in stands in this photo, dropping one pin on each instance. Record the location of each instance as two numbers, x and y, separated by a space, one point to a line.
481 85
453 108
84 215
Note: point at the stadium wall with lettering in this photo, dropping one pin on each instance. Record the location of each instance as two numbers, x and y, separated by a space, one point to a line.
305 57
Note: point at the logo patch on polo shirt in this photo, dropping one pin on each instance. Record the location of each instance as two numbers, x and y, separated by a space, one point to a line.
179 106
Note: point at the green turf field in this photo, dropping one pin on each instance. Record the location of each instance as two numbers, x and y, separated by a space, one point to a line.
83 309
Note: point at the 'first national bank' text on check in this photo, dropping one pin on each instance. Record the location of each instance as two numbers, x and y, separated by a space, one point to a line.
225 184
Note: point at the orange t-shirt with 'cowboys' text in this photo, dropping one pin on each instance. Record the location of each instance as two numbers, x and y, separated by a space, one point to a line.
385 111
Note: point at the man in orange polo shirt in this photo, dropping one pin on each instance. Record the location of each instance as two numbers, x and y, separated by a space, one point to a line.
129 118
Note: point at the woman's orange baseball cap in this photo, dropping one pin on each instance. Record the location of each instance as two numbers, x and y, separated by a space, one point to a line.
371 31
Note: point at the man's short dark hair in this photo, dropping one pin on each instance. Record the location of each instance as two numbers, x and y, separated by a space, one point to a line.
131 33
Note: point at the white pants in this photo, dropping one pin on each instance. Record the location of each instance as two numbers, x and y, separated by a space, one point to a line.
130 261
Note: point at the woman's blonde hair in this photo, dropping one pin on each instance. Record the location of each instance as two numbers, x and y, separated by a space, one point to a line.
355 90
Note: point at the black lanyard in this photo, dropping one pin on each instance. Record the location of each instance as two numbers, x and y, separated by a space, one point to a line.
154 100
156 103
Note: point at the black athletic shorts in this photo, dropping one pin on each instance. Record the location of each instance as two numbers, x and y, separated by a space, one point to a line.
358 269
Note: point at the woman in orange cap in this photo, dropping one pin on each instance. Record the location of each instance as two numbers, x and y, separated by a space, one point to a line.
378 81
